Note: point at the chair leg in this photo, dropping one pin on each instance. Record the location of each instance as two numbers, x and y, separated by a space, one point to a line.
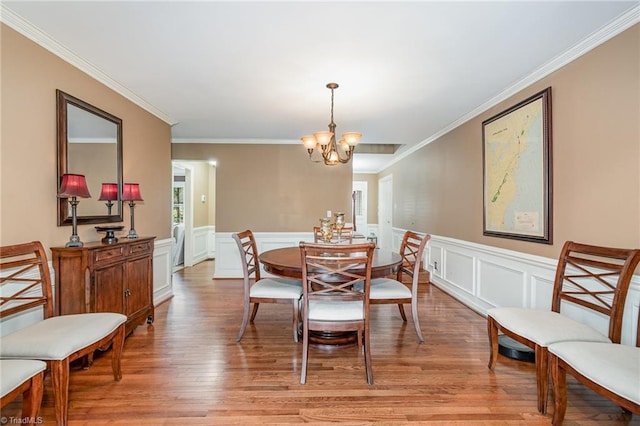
402 314
32 398
60 381
254 311
542 377
416 321
492 330
116 353
245 321
559 379
367 356
305 354
296 313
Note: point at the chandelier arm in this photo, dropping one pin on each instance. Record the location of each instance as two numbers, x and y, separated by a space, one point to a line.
329 152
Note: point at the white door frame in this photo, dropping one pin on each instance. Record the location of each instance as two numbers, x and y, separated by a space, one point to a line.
188 213
385 212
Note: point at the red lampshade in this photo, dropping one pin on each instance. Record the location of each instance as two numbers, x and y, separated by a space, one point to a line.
131 192
73 186
109 192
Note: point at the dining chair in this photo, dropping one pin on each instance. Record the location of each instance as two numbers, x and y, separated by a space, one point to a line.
330 303
609 369
26 377
395 291
593 277
25 281
263 290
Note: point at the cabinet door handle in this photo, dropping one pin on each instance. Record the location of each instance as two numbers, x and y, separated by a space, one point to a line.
127 292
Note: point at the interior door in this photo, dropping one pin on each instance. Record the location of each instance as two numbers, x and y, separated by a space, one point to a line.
385 209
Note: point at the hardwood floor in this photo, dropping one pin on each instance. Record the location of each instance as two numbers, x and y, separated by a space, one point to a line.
187 369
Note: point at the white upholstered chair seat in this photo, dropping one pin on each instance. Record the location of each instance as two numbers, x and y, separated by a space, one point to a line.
58 337
615 367
387 288
14 372
336 311
545 327
277 288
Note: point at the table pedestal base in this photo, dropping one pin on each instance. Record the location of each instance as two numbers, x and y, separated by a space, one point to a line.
333 338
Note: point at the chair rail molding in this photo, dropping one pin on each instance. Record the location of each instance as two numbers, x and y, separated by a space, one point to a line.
483 277
228 262
477 275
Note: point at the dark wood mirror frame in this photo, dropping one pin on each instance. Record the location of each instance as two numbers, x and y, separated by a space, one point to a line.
62 102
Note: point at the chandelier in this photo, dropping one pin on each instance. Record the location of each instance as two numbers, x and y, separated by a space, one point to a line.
325 142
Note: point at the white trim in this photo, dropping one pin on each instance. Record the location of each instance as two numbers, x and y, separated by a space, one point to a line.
615 27
477 275
25 28
483 277
162 271
228 258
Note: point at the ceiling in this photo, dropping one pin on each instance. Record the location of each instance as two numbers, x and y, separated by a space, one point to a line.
255 72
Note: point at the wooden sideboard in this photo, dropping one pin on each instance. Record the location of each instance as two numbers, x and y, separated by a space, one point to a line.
101 277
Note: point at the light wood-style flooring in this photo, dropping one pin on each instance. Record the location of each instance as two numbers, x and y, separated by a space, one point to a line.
187 369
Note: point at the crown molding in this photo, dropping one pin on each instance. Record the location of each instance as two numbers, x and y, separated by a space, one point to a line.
33 33
615 27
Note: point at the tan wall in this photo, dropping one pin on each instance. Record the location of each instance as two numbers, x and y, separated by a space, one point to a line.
90 159
596 160
270 187
30 77
372 195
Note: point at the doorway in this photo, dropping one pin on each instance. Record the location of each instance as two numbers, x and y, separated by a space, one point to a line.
360 207
182 216
385 210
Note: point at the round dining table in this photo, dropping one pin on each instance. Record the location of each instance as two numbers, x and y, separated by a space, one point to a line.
287 262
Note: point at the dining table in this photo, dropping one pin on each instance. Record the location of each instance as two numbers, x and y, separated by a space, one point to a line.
287 262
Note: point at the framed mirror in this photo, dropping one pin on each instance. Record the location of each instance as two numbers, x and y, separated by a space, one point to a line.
90 144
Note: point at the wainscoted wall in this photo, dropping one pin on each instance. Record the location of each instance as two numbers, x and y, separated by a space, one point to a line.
162 270
162 288
228 262
479 276
203 243
483 277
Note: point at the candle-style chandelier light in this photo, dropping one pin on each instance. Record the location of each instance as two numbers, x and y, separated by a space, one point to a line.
325 141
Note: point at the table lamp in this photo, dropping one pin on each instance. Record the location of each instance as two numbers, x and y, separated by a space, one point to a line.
73 186
131 193
109 193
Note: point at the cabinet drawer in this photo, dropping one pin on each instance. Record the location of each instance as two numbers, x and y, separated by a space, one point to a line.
140 247
108 254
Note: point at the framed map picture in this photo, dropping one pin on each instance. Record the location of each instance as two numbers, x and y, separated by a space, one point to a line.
516 150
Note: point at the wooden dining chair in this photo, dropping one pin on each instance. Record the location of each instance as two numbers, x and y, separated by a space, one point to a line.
593 277
330 303
22 377
395 291
25 281
263 290
609 369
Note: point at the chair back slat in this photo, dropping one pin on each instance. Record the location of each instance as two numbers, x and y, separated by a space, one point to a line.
329 271
411 250
25 281
249 255
595 278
